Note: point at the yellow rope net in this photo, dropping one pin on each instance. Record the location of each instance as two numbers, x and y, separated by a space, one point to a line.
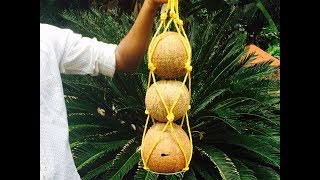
172 11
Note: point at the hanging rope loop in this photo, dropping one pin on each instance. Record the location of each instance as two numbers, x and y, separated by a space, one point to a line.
172 10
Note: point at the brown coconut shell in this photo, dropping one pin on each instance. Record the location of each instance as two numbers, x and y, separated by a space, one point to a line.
166 157
169 56
169 90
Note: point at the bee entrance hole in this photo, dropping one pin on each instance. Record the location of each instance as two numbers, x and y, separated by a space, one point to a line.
163 154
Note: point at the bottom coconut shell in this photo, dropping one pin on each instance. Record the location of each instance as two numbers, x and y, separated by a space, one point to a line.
166 157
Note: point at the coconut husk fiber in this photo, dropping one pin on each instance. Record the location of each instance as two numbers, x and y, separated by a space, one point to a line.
169 90
166 157
169 56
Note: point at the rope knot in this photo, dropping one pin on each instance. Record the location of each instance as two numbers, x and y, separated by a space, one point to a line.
188 68
170 117
151 67
173 15
179 22
185 169
163 16
189 107
146 112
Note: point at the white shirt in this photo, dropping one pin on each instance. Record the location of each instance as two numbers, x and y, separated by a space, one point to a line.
62 51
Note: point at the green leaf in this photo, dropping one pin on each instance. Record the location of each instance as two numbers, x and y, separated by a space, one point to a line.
262 172
229 102
81 106
142 174
267 16
124 161
222 29
232 1
177 176
87 153
263 147
97 171
204 173
78 132
203 123
207 100
189 175
224 164
83 119
96 137
91 160
245 172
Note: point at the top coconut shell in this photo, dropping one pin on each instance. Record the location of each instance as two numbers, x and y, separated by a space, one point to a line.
170 55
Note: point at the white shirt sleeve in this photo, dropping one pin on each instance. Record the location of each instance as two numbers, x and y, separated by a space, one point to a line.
81 55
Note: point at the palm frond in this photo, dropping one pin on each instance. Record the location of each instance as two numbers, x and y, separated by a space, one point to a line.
203 172
96 171
263 147
97 137
224 164
142 174
262 172
98 24
189 175
178 176
86 154
124 161
245 172
202 105
83 119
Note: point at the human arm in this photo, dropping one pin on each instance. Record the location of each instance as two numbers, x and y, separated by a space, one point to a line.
131 49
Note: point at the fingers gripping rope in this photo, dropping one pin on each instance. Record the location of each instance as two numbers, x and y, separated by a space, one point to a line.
172 9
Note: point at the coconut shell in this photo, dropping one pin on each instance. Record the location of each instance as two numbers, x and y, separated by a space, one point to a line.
169 56
166 157
169 90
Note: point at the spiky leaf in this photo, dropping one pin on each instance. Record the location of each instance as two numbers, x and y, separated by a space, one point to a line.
224 164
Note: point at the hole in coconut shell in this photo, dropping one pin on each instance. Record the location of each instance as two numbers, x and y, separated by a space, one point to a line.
163 154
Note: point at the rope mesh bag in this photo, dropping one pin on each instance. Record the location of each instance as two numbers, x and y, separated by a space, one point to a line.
166 148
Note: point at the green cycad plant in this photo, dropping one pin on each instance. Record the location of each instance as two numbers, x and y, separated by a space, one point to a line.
234 114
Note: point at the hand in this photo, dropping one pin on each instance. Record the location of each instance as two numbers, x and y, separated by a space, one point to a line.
154 4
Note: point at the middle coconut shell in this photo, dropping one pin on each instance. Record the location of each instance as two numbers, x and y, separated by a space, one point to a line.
169 90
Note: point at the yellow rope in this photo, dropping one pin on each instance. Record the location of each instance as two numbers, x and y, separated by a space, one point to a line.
189 131
158 91
180 89
179 144
149 80
144 133
173 11
182 121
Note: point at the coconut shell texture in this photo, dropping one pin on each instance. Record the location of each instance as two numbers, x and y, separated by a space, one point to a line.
166 157
169 56
169 90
